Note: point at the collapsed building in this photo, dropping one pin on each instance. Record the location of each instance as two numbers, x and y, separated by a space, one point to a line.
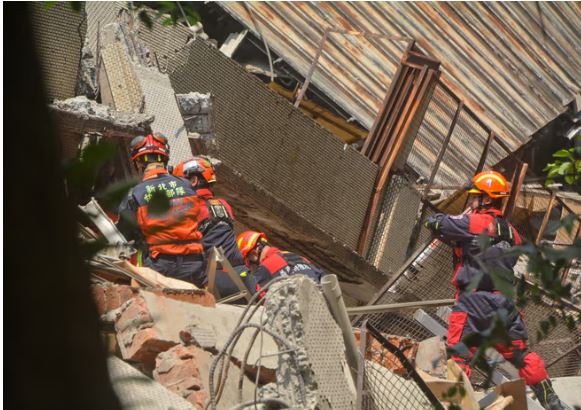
381 130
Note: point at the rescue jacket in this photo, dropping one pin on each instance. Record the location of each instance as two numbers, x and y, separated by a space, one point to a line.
470 257
216 222
279 263
173 232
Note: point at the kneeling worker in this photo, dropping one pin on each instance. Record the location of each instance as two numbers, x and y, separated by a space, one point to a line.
216 222
267 262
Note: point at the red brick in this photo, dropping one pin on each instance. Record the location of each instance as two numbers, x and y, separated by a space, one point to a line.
179 370
109 296
199 297
380 355
138 338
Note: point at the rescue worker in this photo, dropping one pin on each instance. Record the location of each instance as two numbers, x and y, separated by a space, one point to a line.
267 262
171 238
216 222
474 308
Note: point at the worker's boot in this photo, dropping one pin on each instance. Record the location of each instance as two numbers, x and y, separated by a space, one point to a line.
547 396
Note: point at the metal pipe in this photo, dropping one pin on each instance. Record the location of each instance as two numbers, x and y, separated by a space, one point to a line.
394 307
361 372
332 292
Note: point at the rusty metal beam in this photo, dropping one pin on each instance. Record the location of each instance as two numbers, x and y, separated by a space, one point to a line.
546 218
401 124
394 144
319 51
444 147
484 155
303 89
515 189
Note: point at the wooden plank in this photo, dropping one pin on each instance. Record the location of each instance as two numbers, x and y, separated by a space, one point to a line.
455 373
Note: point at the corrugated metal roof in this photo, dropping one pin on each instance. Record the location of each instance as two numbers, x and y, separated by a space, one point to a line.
515 64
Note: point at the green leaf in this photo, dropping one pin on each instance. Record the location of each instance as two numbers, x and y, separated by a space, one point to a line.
47 5
192 19
112 196
553 171
81 172
167 5
569 179
566 168
167 21
549 182
145 18
76 6
564 153
159 203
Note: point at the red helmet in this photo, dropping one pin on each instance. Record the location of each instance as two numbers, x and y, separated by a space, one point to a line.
247 240
199 165
155 144
491 183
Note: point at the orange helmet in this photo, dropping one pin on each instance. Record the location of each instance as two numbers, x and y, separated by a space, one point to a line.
248 240
199 165
491 183
155 144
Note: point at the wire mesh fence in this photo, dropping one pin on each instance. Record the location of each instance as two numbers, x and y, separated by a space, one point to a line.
427 275
389 380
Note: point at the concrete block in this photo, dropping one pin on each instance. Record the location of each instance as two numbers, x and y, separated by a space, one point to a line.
312 348
136 391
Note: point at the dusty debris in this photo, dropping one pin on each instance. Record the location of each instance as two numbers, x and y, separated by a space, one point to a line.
431 357
375 352
88 109
197 112
87 84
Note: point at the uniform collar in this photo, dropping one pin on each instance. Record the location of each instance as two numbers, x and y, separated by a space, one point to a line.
271 250
204 193
153 173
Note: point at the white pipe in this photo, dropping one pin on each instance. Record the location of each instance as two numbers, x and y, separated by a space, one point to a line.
332 292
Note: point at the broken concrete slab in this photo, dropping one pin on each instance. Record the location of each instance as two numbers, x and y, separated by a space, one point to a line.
88 115
312 370
110 297
568 389
431 357
138 392
196 110
149 324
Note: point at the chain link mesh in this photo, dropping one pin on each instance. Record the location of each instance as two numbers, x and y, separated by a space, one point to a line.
390 381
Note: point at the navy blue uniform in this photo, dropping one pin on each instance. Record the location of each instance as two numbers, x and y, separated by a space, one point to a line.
172 238
216 222
474 308
279 263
